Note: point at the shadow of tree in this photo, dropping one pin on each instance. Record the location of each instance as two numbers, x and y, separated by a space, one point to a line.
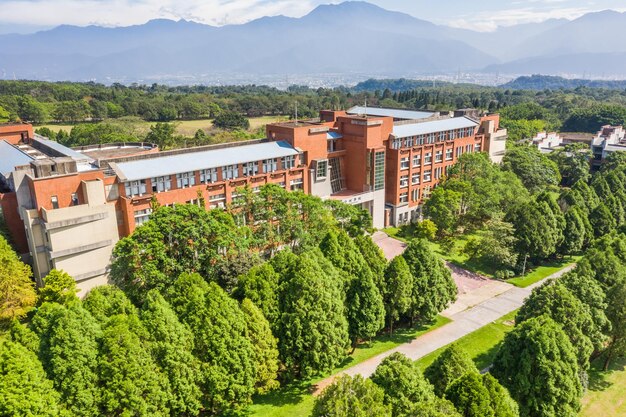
598 377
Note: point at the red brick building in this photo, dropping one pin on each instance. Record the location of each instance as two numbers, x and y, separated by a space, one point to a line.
67 208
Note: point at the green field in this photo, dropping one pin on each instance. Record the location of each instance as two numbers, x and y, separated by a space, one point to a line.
542 272
606 396
297 400
482 345
184 127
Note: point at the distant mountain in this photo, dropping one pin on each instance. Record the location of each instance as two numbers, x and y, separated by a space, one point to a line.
340 42
352 37
543 82
395 85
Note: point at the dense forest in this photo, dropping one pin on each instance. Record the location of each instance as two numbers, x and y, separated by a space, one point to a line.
108 113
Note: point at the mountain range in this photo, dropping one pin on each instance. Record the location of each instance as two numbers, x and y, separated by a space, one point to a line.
347 39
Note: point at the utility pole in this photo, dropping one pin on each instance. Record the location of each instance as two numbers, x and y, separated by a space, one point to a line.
524 267
365 107
296 113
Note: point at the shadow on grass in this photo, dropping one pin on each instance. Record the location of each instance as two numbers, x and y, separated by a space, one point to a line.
485 359
598 377
290 394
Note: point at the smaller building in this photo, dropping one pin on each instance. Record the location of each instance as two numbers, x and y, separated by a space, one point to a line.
609 139
547 142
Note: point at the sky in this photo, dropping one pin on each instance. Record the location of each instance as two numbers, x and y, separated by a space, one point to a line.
24 16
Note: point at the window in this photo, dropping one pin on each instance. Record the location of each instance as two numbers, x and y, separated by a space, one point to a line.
289 162
426 192
134 188
477 147
296 184
468 148
270 165
379 171
208 175
459 151
438 173
217 197
404 181
250 169
74 199
142 216
419 140
408 142
449 154
229 172
428 159
415 195
439 156
396 143
427 175
453 134
160 184
195 202
431 138
186 179
417 159
404 162
321 170
415 178
404 197
55 202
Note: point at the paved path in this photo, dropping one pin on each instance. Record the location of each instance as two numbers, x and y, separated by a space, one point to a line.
463 323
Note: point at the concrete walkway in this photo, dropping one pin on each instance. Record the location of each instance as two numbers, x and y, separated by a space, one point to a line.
463 323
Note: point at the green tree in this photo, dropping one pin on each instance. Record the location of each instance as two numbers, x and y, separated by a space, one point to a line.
312 329
538 365
426 229
496 246
31 110
433 286
24 388
17 291
4 115
557 302
231 120
403 383
602 220
106 301
535 229
69 352
616 312
260 285
365 309
171 345
614 160
161 134
470 396
452 364
265 347
398 290
534 169
58 287
221 341
573 162
501 402
574 234
351 397
438 407
132 384
374 258
443 208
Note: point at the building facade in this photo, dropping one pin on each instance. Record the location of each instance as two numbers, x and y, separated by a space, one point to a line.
67 208
608 140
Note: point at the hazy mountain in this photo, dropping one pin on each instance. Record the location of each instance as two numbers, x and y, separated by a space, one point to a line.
346 39
352 37
543 82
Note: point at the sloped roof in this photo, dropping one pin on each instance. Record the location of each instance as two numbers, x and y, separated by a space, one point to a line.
395 113
10 157
413 129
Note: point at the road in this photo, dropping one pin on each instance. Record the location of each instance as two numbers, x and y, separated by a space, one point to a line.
463 323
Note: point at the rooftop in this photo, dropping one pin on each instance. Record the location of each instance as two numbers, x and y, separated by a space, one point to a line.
55 149
195 161
11 157
413 129
395 113
116 150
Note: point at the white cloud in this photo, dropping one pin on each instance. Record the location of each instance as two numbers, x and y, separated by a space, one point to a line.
129 12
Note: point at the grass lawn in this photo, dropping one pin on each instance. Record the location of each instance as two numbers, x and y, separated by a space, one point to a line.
186 127
606 395
482 345
296 399
542 272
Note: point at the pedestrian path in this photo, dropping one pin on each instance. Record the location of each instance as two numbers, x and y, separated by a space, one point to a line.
463 323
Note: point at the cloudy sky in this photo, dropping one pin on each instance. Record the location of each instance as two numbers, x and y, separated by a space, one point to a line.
31 15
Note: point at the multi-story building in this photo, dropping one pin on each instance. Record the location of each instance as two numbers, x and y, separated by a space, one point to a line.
609 139
66 208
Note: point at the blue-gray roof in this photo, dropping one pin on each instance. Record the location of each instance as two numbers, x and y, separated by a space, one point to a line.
10 157
195 161
333 135
395 113
62 150
413 129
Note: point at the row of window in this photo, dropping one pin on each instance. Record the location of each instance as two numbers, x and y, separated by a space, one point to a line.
207 176
431 138
54 200
428 156
425 177
415 195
